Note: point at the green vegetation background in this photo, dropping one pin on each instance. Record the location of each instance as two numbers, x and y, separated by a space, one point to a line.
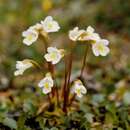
107 102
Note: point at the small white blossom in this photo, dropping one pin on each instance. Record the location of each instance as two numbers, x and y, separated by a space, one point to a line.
75 34
30 36
54 55
50 25
83 35
78 88
46 26
101 47
89 35
21 66
46 84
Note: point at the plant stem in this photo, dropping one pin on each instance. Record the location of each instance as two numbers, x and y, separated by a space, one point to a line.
57 93
84 61
46 41
72 99
69 74
49 98
36 64
64 87
50 66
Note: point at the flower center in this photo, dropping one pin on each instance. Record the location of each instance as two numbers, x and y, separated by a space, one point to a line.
100 47
78 91
50 25
46 85
53 55
30 37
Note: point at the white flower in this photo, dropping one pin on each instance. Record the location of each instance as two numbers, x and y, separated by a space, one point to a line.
30 36
101 47
78 88
46 26
54 55
75 34
21 66
50 25
83 35
46 84
89 35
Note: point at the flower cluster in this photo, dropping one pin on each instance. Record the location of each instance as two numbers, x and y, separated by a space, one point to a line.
99 46
47 26
54 55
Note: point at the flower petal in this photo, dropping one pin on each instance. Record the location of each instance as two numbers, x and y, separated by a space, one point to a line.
40 84
48 18
27 42
95 50
83 90
90 29
50 25
105 51
46 90
105 42
52 49
18 72
47 57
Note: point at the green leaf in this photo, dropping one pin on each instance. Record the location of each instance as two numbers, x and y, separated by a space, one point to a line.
97 99
54 128
89 117
29 107
42 122
126 98
21 122
10 122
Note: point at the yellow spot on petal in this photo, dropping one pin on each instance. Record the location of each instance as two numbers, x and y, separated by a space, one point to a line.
46 85
30 37
53 55
78 91
50 25
100 47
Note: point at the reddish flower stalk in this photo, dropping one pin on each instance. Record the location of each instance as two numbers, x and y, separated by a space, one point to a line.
69 74
65 85
84 61
49 98
57 93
